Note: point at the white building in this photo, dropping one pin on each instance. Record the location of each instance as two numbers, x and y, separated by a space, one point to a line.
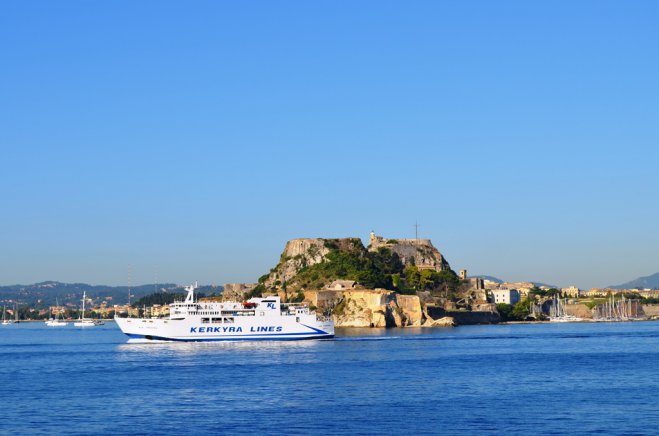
506 296
341 285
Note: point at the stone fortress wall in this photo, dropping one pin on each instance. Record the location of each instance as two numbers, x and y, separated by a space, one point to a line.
420 251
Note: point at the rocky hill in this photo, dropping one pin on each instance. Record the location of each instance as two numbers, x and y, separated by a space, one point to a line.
314 263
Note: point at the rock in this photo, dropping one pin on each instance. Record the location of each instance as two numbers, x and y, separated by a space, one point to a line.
372 308
305 252
463 317
378 319
419 252
298 254
362 308
237 291
446 321
410 306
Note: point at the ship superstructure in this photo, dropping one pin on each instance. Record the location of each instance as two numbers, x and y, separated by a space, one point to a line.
255 319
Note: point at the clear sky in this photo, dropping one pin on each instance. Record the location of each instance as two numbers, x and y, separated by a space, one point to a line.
191 140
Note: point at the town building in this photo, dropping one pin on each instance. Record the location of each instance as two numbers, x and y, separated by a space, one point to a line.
341 285
126 310
505 296
571 291
597 292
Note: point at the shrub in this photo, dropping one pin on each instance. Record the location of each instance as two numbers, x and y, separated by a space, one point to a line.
505 311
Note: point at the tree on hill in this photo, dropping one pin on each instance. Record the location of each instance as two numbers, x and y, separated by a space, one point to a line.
161 298
446 281
519 312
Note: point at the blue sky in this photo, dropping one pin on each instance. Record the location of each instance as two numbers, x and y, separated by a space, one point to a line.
191 140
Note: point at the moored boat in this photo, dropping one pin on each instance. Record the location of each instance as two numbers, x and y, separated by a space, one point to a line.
84 322
56 321
4 320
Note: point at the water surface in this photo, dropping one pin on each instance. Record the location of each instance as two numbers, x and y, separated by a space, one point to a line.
515 379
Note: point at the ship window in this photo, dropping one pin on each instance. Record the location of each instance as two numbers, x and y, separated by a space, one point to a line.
228 320
205 320
216 320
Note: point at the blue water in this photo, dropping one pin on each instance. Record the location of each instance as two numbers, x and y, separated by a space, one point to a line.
513 379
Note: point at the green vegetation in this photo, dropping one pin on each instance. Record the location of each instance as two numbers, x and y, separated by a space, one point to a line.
544 293
161 298
374 269
430 280
594 302
522 309
348 259
518 312
257 291
340 308
299 298
505 311
371 269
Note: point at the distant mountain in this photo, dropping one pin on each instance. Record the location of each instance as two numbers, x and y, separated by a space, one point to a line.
46 293
647 282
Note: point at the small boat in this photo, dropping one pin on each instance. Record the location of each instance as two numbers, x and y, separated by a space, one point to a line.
55 322
82 321
4 319
557 312
16 320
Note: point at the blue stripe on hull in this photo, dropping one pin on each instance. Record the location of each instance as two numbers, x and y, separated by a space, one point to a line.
235 338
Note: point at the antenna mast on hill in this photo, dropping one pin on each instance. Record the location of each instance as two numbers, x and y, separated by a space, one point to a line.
416 232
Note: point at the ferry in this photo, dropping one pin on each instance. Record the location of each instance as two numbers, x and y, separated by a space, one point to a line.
255 319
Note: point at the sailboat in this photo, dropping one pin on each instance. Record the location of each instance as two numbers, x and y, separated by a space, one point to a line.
557 312
4 319
55 322
83 322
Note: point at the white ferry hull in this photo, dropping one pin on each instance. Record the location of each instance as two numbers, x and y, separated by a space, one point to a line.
249 328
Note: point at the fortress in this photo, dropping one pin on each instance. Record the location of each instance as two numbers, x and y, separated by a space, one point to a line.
420 252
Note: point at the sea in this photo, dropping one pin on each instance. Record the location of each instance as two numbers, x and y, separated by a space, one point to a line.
586 378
